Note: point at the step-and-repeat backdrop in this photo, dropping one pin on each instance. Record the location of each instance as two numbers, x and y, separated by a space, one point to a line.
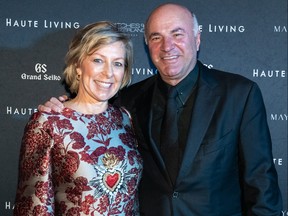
245 37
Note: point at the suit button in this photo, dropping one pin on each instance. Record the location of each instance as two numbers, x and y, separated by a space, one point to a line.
175 194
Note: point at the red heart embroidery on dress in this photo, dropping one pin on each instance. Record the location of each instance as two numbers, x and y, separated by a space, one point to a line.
111 180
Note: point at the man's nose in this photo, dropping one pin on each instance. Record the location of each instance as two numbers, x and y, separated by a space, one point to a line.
167 44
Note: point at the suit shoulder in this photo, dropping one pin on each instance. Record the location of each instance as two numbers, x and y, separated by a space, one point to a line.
224 77
224 82
130 93
137 88
143 83
229 75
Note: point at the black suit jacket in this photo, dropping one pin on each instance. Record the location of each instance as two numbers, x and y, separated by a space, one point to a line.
227 168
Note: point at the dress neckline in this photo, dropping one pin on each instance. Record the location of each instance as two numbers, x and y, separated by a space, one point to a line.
88 115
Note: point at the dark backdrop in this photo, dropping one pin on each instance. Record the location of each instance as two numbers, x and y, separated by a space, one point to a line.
245 37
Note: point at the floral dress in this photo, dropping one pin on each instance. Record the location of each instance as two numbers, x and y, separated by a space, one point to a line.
79 164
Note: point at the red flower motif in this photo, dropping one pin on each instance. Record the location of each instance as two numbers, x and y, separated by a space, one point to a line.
103 204
41 211
71 162
78 140
99 151
119 151
43 164
87 204
128 138
64 124
24 204
82 183
68 113
129 208
131 157
74 194
42 190
86 157
74 211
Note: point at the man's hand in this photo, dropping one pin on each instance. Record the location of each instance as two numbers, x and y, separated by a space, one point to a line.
53 104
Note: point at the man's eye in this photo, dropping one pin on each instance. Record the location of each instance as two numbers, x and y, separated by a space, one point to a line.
155 38
178 35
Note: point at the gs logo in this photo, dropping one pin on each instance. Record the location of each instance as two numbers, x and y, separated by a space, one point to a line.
40 68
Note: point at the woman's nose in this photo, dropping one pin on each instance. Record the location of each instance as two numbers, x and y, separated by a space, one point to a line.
108 70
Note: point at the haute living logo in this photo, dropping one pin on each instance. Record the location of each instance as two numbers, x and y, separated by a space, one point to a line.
46 24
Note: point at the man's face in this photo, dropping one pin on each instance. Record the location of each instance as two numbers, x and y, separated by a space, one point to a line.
172 42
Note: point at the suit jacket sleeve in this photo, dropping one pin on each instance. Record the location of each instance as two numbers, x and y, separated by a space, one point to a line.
261 192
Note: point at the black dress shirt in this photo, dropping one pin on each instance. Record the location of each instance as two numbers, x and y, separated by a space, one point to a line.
185 100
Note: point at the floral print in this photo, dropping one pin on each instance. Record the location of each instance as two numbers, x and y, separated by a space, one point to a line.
77 164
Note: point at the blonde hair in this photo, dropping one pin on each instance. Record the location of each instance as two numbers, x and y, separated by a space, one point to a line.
91 38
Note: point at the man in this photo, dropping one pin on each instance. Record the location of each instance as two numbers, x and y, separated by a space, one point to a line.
224 164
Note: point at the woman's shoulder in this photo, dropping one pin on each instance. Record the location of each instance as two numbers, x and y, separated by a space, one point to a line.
45 116
116 108
121 112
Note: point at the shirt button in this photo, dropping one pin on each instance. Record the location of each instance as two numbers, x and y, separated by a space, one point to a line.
175 194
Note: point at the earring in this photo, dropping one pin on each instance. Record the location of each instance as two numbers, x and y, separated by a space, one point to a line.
78 77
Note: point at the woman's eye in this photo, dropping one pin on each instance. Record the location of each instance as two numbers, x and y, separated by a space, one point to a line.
118 64
98 60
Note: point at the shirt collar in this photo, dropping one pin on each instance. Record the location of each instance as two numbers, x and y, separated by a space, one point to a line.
184 88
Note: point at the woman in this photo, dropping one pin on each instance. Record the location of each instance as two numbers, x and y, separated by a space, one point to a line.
84 160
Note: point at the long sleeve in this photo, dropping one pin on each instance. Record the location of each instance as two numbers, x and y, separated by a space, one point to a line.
261 192
34 193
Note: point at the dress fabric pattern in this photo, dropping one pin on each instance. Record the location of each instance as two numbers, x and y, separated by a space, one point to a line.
78 164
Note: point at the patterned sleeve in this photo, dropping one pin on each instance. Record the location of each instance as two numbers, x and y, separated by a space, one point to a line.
35 193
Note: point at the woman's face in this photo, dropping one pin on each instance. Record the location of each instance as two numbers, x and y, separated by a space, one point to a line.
101 73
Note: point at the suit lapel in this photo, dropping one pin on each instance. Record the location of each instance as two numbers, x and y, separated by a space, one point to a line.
144 117
204 108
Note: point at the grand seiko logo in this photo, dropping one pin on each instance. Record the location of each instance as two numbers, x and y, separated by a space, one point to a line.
49 24
40 74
